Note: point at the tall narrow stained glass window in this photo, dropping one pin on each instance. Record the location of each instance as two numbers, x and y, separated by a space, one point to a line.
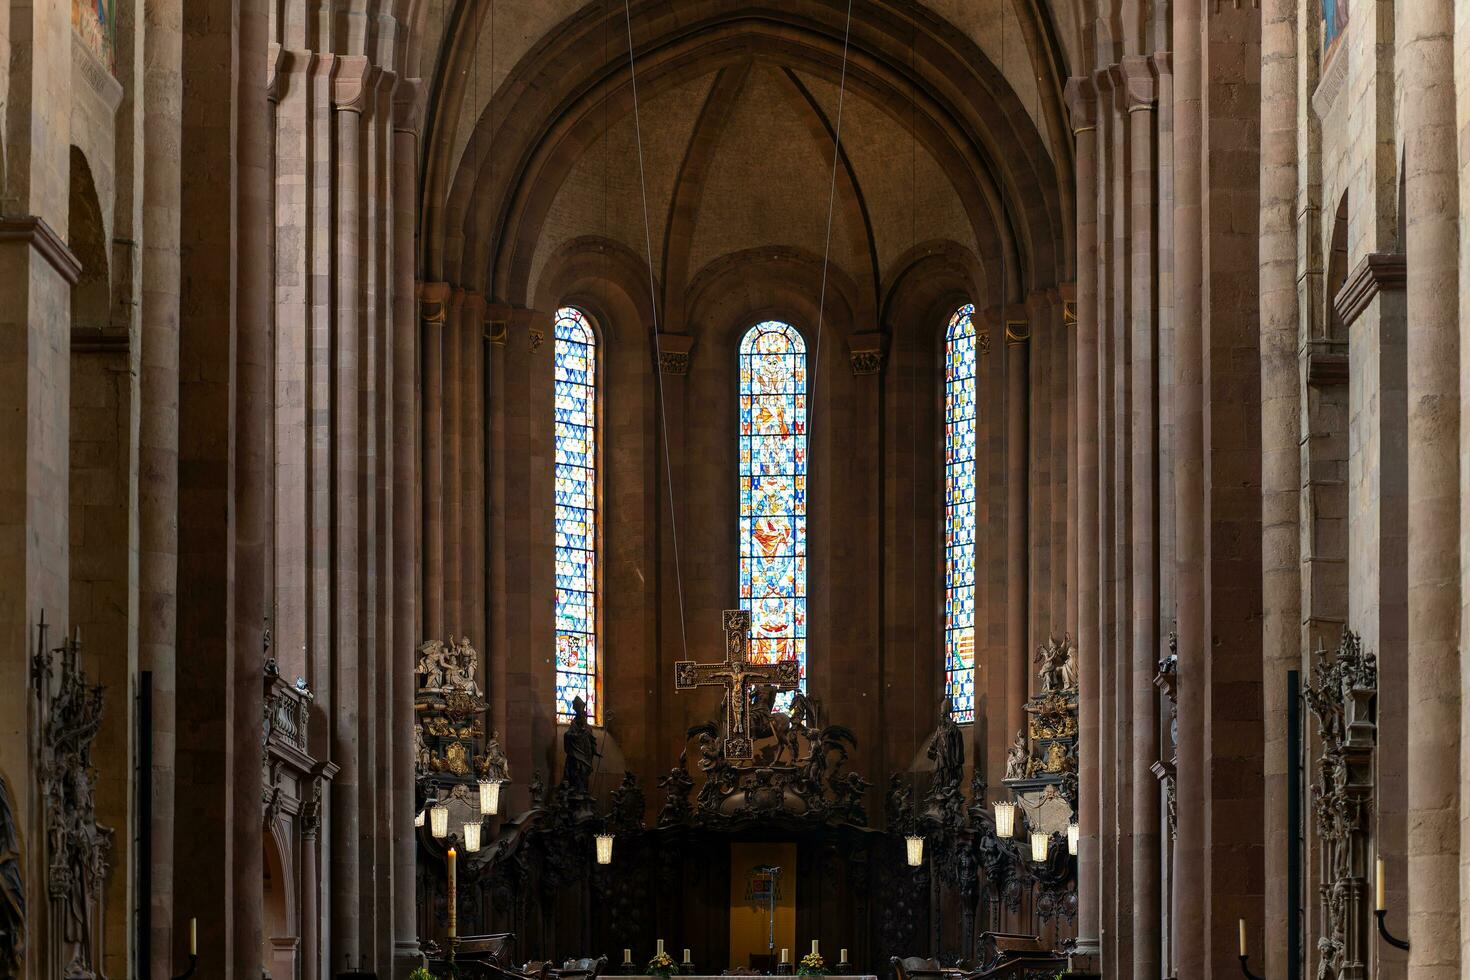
578 664
773 491
959 512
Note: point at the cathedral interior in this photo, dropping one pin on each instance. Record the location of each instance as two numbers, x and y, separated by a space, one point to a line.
913 489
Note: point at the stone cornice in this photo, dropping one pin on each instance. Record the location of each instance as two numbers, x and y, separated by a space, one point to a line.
36 233
1378 272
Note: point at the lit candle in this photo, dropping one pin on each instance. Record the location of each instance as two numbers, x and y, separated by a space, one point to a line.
785 955
687 957
627 955
1242 937
814 947
843 957
660 946
1382 898
194 935
453 896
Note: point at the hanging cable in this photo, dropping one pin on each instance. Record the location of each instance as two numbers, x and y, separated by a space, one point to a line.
653 310
811 404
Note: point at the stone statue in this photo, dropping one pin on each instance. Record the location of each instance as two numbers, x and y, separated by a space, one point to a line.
497 766
947 750
423 758
1058 667
628 804
676 786
12 888
580 746
433 664
1016 758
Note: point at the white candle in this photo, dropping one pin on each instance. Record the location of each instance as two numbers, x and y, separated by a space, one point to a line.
843 957
1242 937
785 955
660 946
1382 898
193 937
627 955
687 958
814 947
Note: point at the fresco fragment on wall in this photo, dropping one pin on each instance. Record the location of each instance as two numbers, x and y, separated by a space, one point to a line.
92 20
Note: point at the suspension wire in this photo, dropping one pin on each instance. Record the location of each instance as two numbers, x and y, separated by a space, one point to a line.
653 308
815 374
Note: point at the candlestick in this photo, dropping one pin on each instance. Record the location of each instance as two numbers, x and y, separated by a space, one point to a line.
687 957
785 955
1382 898
193 937
660 946
453 896
1242 937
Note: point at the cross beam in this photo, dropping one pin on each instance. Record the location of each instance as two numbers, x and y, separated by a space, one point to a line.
737 675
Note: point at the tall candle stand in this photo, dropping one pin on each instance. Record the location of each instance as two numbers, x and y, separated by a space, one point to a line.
1245 958
1381 911
193 951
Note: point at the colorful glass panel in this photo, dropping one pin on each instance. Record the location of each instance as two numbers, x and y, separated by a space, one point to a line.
578 668
773 492
959 513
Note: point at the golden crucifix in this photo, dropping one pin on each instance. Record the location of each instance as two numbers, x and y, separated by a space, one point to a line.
737 675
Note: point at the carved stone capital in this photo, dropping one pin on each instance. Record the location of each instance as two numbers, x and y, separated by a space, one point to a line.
866 352
408 106
535 324
673 353
1139 82
497 322
433 301
352 82
1081 98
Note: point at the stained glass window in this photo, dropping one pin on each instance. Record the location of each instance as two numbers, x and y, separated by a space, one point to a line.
959 513
773 492
578 668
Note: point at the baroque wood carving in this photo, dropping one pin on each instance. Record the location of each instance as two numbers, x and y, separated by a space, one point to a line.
1341 697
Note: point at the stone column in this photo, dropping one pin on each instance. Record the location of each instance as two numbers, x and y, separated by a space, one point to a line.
452 465
1280 445
1431 199
346 947
1139 94
1081 100
1018 672
434 307
472 470
158 445
254 468
1189 877
406 634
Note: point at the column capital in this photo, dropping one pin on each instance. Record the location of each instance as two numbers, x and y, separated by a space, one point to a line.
408 106
866 352
433 301
1139 82
353 80
673 353
1081 98
496 322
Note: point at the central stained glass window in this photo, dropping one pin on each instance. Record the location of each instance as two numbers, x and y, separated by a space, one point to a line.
773 492
578 667
959 513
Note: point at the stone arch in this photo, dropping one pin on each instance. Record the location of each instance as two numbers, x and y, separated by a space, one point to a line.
965 114
91 301
1337 268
